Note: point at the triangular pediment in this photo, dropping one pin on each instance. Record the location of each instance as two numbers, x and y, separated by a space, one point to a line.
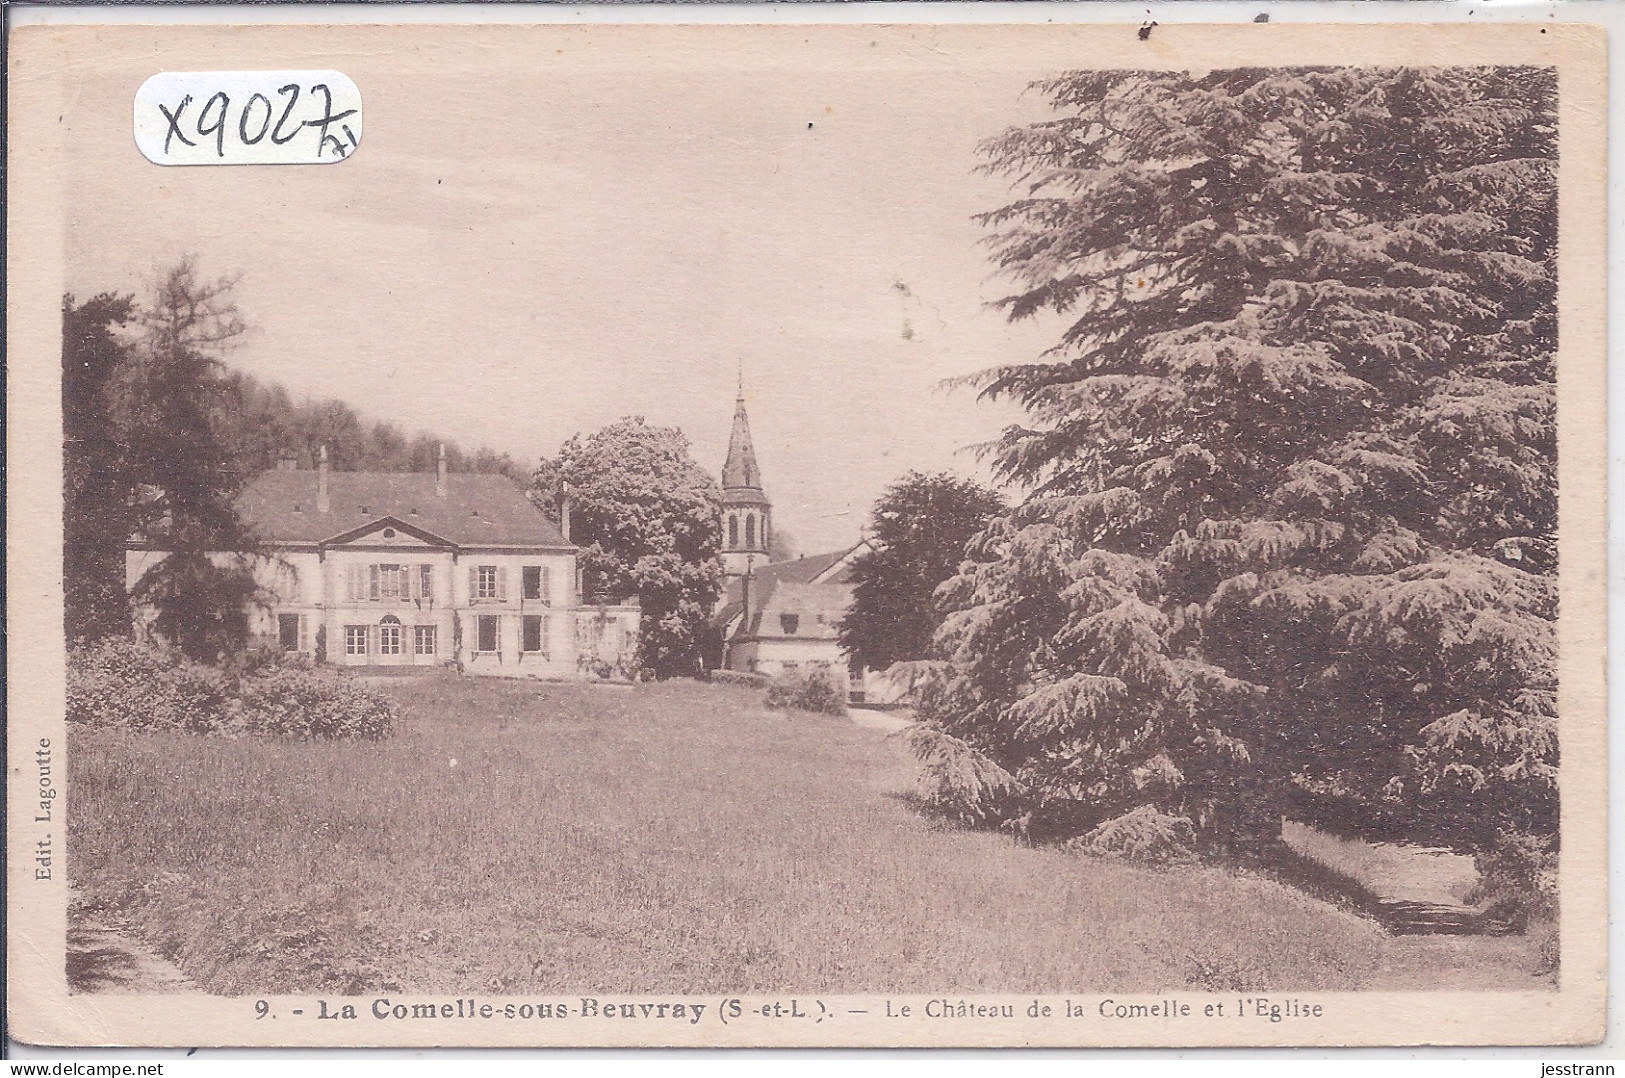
390 531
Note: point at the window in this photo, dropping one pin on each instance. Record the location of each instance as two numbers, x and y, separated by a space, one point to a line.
287 631
789 623
355 640
750 530
733 531
426 582
533 637
389 638
423 639
537 583
485 582
389 583
790 667
488 636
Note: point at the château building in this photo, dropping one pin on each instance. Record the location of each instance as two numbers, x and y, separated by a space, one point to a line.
387 569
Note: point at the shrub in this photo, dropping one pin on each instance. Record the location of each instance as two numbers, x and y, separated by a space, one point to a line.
262 656
1143 834
812 691
1517 881
738 677
122 683
293 702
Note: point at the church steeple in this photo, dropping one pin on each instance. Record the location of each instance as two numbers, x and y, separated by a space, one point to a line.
740 470
745 508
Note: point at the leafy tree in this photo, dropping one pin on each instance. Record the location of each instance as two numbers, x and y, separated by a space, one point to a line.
648 521
95 512
919 529
1289 531
180 483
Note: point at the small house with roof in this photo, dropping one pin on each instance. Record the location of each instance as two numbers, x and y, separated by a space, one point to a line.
385 569
784 618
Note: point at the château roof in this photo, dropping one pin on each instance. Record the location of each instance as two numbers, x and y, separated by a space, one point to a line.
476 510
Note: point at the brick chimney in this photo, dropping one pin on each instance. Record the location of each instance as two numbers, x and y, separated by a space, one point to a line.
564 511
440 473
323 500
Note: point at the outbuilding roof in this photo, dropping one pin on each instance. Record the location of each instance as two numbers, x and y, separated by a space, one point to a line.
804 576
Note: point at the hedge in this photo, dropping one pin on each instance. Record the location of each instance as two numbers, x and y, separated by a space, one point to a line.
134 686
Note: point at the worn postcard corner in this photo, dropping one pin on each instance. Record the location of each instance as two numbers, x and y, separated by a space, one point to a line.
1065 534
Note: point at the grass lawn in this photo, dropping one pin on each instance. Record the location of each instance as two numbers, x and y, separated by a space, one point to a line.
520 837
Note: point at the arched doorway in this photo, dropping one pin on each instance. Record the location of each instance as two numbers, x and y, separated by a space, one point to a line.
392 649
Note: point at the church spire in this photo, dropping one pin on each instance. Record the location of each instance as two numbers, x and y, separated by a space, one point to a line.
740 470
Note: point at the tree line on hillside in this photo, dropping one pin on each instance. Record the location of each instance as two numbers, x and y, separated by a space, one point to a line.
263 422
1287 542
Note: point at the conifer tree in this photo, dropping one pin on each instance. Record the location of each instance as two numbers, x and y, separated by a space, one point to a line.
181 484
1290 526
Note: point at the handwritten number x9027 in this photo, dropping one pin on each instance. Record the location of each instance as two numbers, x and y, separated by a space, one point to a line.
254 121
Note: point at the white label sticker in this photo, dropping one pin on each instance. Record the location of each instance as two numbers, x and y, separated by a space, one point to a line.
248 117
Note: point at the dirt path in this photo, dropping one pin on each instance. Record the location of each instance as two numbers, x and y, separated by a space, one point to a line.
889 721
103 959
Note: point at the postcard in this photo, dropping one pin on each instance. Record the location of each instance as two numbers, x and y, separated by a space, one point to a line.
700 534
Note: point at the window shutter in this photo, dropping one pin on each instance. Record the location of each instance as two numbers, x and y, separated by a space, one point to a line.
426 582
473 582
547 589
304 632
352 589
372 582
502 583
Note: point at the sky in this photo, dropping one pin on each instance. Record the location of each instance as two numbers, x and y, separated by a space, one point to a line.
535 241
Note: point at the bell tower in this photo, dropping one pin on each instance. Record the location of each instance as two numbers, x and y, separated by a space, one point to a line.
746 514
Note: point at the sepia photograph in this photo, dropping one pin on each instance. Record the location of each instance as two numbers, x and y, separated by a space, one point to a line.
806 535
